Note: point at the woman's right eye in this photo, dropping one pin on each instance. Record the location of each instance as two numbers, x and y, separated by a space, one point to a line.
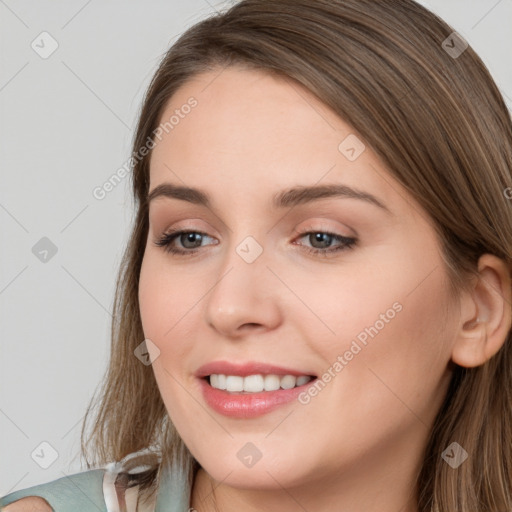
188 240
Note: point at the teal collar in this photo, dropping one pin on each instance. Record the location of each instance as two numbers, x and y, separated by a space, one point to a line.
174 492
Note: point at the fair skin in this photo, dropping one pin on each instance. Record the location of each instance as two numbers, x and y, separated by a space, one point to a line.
29 504
358 444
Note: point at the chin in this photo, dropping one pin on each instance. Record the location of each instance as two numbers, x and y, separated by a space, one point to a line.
273 474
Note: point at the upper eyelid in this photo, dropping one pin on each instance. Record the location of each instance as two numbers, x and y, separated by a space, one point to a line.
313 225
304 230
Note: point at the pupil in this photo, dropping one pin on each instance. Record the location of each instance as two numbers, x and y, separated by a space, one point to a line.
190 237
322 237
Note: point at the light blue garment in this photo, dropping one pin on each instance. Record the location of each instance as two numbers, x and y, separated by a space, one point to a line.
83 492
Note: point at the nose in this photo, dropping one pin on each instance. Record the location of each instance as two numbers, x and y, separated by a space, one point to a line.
244 297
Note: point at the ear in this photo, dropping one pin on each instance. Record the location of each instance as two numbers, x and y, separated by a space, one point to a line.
486 314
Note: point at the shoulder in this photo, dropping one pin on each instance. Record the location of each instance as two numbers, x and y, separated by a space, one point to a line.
29 504
80 491
96 491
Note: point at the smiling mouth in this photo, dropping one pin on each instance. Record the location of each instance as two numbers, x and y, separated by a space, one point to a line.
256 383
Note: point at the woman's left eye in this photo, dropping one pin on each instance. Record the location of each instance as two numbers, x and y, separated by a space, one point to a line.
323 237
189 239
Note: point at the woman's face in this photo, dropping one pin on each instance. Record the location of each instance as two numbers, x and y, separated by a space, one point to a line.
372 321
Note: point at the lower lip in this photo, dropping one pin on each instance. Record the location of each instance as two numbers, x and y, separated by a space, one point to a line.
248 405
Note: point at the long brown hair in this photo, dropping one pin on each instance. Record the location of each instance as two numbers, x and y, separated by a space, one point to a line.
436 119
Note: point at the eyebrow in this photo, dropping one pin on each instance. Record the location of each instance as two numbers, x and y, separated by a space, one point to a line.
287 198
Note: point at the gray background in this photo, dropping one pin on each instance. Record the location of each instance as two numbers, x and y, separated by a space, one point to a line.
66 124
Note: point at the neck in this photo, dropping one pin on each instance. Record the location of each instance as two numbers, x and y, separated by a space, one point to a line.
377 484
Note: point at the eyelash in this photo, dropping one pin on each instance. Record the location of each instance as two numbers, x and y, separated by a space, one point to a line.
166 240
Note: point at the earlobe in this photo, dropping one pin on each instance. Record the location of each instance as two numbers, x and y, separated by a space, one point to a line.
471 346
486 314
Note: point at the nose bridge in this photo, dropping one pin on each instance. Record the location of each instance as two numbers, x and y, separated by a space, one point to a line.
240 293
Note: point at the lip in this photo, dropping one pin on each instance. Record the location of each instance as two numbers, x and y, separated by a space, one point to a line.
248 368
242 404
248 405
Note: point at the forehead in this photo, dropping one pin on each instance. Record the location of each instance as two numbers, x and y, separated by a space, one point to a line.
253 132
257 90
241 112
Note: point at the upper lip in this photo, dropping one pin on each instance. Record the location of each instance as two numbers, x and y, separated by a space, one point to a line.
244 369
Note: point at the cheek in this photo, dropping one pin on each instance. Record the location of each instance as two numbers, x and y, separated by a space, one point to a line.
159 313
394 338
164 299
395 300
166 309
150 298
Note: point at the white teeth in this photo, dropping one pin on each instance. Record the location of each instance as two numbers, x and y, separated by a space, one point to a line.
288 381
221 381
253 383
218 381
272 382
302 380
234 383
214 381
256 383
